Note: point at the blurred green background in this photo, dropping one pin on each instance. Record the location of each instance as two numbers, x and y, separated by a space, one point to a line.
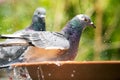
102 43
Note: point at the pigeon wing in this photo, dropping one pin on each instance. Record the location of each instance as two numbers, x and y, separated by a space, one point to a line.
48 40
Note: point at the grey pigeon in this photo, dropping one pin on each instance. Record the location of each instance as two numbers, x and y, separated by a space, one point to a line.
11 53
54 46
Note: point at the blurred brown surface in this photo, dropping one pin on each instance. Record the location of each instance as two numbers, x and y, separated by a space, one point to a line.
72 70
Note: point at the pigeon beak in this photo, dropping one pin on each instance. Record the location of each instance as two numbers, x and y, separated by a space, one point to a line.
92 25
42 16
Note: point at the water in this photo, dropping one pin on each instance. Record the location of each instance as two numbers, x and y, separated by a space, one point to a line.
21 73
9 59
72 74
40 73
57 63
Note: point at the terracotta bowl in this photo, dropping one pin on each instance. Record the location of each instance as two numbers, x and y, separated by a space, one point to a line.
73 70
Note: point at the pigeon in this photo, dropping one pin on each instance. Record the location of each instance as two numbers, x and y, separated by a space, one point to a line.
38 20
10 53
53 46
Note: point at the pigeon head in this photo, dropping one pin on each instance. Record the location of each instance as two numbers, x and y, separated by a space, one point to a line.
77 24
85 20
38 20
39 15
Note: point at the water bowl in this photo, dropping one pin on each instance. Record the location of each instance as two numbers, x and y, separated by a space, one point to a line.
72 70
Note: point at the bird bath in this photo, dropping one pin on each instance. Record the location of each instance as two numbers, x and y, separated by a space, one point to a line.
73 70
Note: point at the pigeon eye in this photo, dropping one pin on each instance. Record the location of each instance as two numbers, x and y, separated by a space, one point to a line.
85 19
38 12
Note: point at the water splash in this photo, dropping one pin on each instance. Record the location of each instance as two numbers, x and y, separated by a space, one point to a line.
57 63
72 75
40 73
9 59
10 73
21 73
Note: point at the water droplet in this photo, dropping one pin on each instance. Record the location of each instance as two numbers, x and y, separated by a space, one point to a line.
24 48
104 41
72 75
105 33
38 68
74 71
57 63
9 30
41 73
9 59
10 68
42 76
21 73
49 74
